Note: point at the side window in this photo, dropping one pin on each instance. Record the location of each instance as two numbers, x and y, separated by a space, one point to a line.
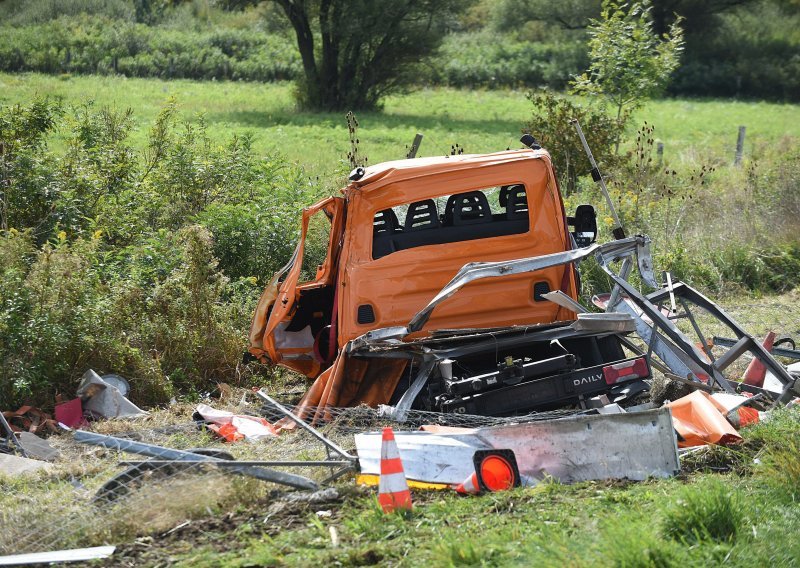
478 214
316 249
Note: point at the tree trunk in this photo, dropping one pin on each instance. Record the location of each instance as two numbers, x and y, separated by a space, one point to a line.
305 44
328 86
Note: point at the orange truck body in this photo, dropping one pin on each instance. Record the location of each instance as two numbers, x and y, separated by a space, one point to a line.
359 288
399 234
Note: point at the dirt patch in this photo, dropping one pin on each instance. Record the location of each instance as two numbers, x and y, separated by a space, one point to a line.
266 517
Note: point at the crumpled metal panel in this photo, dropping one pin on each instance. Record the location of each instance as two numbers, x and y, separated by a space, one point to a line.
632 446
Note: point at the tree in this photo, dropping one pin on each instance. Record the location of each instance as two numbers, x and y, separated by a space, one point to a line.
701 16
629 62
567 14
356 51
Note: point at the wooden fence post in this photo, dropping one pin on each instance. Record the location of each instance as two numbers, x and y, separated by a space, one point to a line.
739 147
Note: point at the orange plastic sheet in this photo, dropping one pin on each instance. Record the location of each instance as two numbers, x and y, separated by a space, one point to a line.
348 382
700 420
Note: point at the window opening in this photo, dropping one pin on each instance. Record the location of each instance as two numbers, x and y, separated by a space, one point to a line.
470 215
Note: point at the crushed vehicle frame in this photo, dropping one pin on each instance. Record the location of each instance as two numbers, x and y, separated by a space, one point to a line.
401 315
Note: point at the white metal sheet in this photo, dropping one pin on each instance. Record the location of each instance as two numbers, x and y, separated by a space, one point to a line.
74 555
579 448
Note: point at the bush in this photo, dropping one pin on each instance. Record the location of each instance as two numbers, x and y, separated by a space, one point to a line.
551 125
752 52
26 169
490 59
98 44
23 12
250 239
108 264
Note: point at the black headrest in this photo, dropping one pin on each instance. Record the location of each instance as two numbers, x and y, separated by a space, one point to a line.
505 190
471 208
503 198
385 222
516 202
447 218
422 215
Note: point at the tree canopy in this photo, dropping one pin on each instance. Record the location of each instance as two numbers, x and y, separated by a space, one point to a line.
356 51
577 14
629 61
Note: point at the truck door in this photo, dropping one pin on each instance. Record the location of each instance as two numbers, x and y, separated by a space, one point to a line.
293 318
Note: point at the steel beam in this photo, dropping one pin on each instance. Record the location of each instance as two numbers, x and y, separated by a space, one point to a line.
169 454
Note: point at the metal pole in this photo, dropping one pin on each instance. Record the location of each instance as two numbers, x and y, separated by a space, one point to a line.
624 273
672 306
12 437
288 413
159 452
228 463
739 147
619 232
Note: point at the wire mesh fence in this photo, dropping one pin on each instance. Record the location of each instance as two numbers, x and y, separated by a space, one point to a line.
92 495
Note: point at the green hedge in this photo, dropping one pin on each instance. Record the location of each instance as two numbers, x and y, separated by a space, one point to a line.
97 45
492 59
733 61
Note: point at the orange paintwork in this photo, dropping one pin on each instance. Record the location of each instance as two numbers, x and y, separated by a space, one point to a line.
399 284
277 301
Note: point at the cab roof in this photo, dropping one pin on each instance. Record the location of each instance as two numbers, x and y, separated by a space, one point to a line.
381 174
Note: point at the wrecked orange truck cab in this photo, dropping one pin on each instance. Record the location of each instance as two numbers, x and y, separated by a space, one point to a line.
399 234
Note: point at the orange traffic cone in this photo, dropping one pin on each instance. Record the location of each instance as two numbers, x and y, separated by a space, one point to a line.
756 371
393 490
227 432
470 486
743 416
497 473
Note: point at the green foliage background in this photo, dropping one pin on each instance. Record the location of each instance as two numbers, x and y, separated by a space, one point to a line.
147 262
750 51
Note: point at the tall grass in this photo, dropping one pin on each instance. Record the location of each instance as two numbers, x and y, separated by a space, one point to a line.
708 511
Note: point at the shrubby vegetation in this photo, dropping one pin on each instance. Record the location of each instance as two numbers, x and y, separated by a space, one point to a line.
147 263
488 58
551 124
101 45
748 49
751 52
721 229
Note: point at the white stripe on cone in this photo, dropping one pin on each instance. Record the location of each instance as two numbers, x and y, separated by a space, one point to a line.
392 483
469 486
389 450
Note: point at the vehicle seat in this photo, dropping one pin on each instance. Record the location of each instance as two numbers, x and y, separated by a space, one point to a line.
471 208
385 222
516 202
422 215
447 216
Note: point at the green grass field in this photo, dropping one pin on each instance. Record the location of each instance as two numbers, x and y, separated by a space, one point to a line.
480 121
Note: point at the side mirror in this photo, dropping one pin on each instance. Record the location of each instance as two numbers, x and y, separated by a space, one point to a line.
584 224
